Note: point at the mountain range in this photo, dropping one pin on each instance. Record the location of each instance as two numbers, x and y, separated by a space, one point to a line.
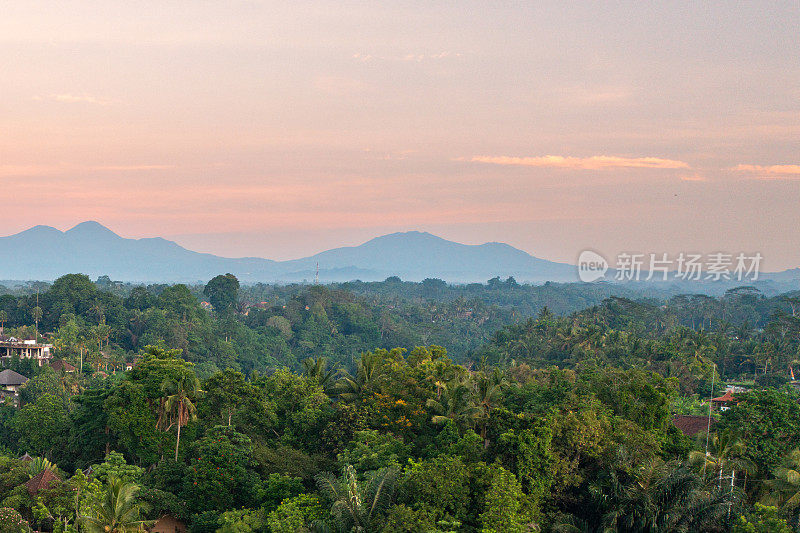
45 253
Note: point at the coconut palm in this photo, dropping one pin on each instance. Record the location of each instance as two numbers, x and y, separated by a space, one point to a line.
488 393
177 406
457 402
369 372
659 497
115 510
318 369
725 452
356 504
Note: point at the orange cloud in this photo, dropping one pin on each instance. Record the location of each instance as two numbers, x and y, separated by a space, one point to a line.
771 172
133 167
595 162
76 99
694 177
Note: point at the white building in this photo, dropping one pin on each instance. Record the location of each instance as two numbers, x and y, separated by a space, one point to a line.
11 347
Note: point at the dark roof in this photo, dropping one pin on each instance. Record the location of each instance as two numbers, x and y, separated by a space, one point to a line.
25 458
60 365
691 425
9 377
41 481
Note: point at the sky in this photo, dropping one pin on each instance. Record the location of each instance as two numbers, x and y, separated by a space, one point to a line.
280 129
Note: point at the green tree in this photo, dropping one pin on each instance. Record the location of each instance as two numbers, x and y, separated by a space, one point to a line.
223 293
357 505
726 450
784 490
765 412
116 510
219 477
296 514
763 519
42 424
178 408
11 521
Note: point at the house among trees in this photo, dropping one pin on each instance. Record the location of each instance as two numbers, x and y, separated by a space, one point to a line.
10 382
724 402
24 349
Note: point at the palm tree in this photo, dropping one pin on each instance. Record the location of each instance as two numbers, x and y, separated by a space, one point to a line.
318 369
3 320
725 451
659 497
116 510
488 394
177 406
456 402
784 490
369 371
39 464
357 504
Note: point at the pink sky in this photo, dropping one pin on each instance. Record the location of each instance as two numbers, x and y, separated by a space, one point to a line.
280 129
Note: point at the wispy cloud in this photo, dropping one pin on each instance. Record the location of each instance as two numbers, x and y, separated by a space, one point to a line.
27 170
771 172
416 58
133 167
595 162
694 177
67 98
33 171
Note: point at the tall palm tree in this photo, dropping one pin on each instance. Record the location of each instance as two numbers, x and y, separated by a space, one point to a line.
116 510
356 504
725 452
488 393
177 406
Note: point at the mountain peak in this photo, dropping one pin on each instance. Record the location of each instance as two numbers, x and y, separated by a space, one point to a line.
92 228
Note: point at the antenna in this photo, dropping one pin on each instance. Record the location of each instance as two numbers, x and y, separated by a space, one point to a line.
710 403
316 276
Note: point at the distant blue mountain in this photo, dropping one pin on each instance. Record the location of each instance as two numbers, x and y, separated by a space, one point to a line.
45 253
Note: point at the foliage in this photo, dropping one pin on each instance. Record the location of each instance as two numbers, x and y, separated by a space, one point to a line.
116 510
296 514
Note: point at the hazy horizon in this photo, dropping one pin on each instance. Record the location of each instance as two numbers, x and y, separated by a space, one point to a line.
265 129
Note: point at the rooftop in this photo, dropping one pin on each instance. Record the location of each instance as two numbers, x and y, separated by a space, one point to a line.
691 425
41 481
9 377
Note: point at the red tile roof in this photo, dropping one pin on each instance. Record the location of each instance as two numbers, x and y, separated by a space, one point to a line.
727 397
